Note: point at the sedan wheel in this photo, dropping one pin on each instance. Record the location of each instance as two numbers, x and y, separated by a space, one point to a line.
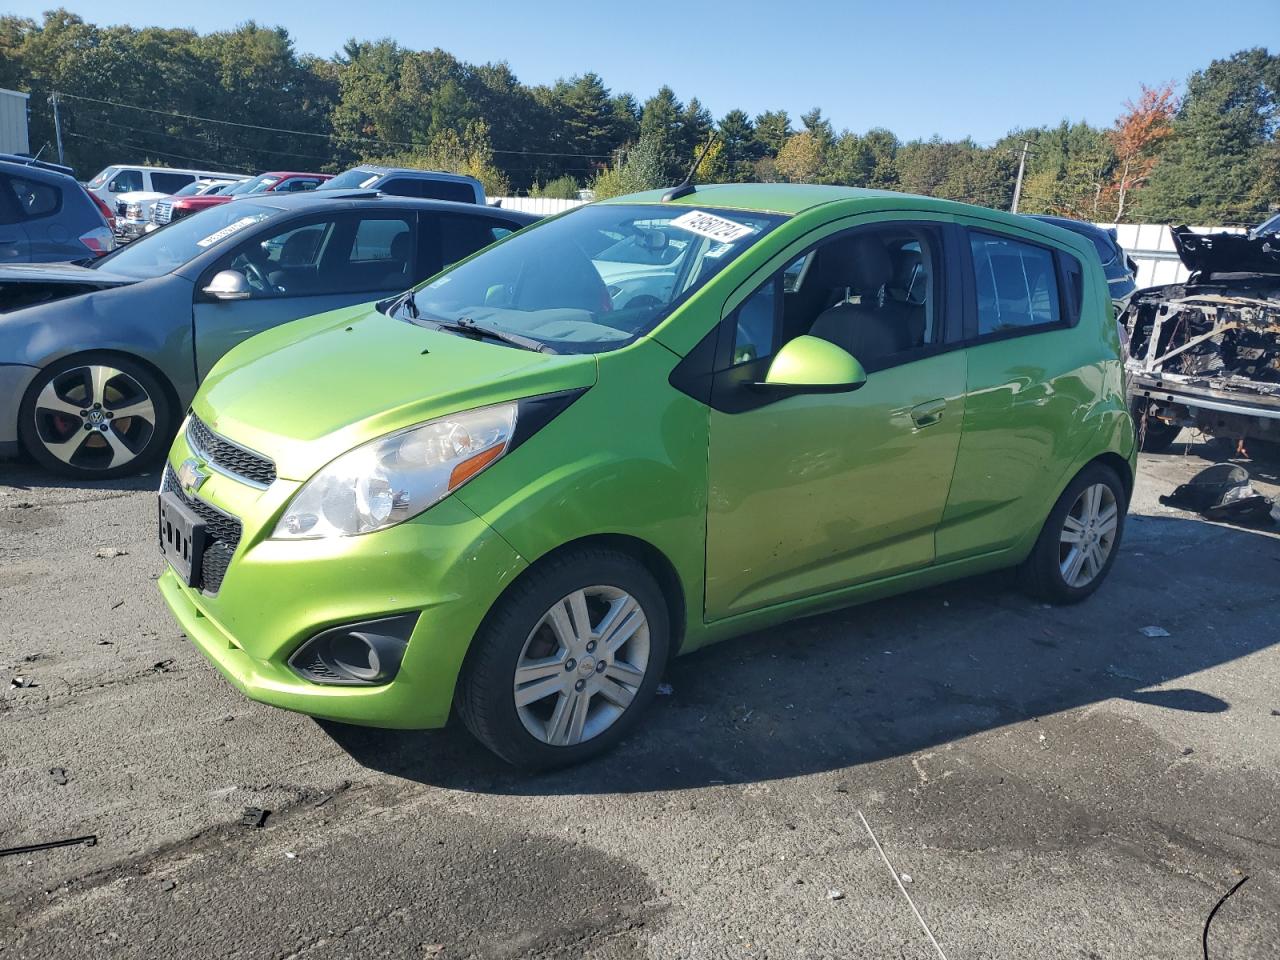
95 419
582 666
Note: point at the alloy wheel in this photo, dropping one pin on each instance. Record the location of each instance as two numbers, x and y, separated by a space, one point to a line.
94 417
582 665
1088 535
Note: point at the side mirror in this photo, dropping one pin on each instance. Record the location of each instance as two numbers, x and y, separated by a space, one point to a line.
812 365
228 285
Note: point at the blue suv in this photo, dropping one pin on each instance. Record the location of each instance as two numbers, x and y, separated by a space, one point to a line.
46 216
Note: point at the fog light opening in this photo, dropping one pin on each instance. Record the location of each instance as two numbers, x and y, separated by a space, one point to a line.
357 654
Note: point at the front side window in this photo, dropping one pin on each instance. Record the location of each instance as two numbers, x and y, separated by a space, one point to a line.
103 176
163 251
35 199
596 278
873 292
1016 284
126 181
356 178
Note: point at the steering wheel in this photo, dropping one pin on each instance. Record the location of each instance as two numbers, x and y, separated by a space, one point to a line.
253 273
642 300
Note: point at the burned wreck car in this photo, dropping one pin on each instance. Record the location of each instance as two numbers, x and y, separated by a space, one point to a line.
1206 353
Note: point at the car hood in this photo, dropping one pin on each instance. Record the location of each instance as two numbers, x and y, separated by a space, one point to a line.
1209 253
140 196
60 273
308 391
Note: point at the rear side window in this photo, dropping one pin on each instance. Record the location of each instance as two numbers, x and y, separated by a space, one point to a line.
1072 274
447 190
1016 284
170 182
33 198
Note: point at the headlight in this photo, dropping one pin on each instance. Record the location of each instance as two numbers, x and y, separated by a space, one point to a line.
388 480
133 211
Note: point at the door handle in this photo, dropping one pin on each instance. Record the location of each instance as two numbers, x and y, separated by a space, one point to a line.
928 413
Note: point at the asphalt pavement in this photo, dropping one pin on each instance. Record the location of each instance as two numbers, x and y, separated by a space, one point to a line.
1046 782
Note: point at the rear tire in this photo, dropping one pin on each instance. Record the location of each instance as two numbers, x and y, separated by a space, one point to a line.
1079 540
567 660
1154 436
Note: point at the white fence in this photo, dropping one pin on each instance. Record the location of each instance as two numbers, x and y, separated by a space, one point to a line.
542 206
1149 244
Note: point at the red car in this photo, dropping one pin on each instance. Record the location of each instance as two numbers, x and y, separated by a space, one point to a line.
275 181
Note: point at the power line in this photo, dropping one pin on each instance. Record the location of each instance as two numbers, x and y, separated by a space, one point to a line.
308 133
198 140
137 146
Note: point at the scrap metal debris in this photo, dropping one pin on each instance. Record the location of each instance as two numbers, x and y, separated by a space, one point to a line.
88 841
22 682
1153 631
108 553
1224 492
254 817
59 775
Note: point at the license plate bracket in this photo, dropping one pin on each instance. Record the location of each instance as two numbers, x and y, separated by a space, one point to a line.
182 538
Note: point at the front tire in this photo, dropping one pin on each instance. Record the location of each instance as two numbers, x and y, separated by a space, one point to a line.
1079 540
567 660
95 417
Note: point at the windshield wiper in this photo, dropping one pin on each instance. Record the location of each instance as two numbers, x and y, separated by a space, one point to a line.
468 327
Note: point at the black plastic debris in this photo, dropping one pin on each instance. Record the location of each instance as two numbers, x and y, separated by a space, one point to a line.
254 817
1225 493
89 841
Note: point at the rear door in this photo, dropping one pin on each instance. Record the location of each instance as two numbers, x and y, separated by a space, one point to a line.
308 266
1029 378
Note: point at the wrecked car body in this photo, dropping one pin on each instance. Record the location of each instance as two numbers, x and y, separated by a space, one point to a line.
1206 353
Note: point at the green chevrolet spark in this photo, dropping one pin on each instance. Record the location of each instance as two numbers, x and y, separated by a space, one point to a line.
635 429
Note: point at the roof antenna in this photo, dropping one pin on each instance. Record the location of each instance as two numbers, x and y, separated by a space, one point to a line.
686 186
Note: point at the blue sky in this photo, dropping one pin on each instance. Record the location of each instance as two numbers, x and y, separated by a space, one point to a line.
918 68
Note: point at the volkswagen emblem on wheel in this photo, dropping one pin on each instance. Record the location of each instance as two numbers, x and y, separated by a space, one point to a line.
192 475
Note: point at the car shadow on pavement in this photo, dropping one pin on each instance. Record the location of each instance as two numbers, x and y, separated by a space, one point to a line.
21 475
890 678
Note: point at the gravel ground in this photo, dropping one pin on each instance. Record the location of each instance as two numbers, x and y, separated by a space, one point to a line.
1053 782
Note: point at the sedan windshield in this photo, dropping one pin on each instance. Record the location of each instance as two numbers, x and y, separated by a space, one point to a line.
161 252
352 178
594 279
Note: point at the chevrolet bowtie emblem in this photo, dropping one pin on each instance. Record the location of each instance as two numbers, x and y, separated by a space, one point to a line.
192 475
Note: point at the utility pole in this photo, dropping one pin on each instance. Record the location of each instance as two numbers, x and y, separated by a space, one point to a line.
57 124
1022 166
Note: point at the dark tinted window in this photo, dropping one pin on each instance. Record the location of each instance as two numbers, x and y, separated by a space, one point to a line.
402 187
1016 284
34 198
1106 250
1073 284
169 182
446 190
446 238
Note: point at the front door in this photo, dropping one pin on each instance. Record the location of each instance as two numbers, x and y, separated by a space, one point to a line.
302 269
814 492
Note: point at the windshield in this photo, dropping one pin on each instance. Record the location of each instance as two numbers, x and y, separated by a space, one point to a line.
1267 226
191 189
596 278
101 178
356 177
163 251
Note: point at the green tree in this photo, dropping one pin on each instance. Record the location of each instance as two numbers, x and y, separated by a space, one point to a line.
737 136
639 168
561 188
1210 166
800 158
772 129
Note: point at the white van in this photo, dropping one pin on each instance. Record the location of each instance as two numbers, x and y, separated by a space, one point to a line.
115 180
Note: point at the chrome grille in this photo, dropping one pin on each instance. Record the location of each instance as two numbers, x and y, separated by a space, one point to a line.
227 457
222 533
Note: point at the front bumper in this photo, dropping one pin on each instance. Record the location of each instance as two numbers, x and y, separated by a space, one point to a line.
14 380
448 564
129 229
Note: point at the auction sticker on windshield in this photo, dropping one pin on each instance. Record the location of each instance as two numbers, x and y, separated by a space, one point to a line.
227 231
713 227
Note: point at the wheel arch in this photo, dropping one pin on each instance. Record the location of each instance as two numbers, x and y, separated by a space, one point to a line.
647 555
171 393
